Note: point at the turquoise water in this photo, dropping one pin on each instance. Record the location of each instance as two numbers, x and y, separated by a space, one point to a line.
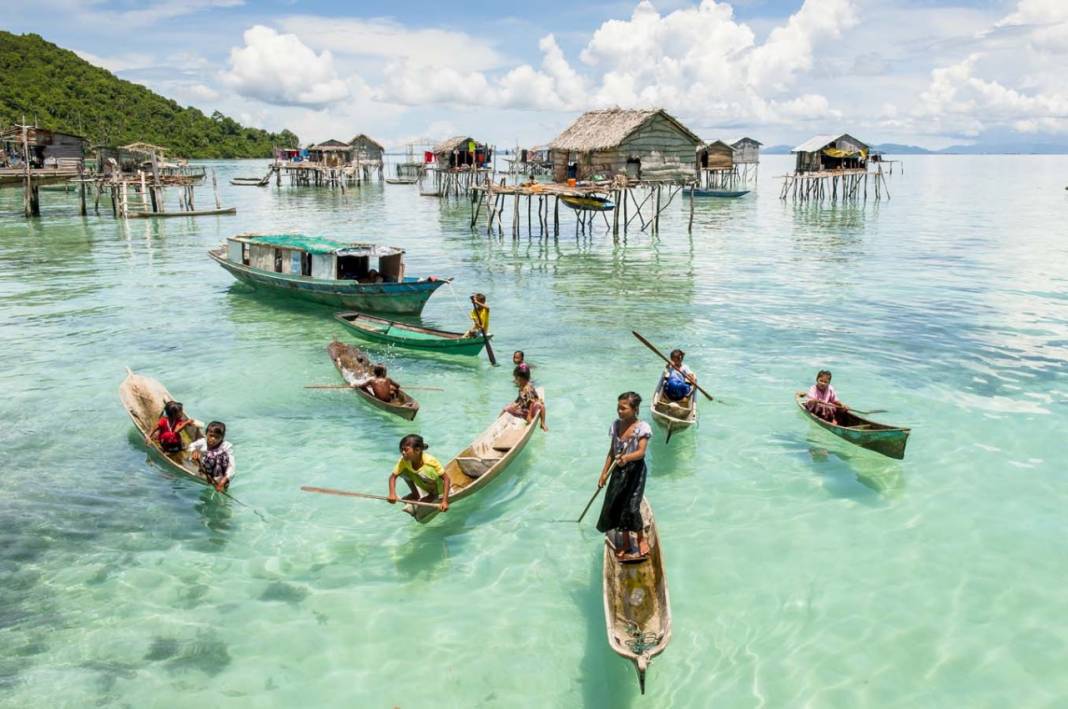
802 571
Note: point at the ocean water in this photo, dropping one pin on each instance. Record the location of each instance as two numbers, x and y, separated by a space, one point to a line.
803 571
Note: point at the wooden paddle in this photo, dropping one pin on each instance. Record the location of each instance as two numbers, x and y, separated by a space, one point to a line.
349 386
348 493
485 337
659 354
856 411
595 494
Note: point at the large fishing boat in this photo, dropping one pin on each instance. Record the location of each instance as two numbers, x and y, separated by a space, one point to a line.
353 275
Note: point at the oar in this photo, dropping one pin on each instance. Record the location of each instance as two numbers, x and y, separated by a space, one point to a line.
349 386
349 493
595 494
485 337
858 411
659 354
224 493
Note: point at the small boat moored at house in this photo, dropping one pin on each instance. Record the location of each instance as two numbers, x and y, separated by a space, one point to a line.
411 336
722 194
326 271
887 440
637 607
588 203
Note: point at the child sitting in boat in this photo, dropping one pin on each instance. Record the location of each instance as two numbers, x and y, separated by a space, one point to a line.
214 456
168 430
480 314
373 276
680 380
822 399
421 471
381 386
625 462
528 404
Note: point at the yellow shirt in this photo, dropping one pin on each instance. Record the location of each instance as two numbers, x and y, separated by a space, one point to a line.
428 478
481 317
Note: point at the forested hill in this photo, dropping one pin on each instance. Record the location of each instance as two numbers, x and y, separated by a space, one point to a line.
68 94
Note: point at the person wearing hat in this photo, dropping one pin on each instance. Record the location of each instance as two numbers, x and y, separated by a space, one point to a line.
480 315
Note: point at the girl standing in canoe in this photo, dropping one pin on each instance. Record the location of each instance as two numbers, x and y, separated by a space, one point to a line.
626 463
421 471
823 399
528 404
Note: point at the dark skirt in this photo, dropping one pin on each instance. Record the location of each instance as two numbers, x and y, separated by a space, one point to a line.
623 499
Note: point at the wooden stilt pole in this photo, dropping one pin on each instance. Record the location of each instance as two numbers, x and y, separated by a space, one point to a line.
215 188
81 187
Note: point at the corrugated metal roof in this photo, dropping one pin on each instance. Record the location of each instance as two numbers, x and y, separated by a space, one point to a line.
822 141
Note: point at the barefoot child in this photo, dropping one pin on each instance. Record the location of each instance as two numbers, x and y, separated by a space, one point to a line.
421 471
680 380
528 404
382 387
822 400
214 455
168 430
480 314
622 501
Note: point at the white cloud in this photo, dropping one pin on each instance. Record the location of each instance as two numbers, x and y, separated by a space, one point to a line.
117 63
1045 22
391 40
280 69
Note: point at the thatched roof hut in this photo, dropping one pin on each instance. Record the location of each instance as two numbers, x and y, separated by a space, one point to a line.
331 152
460 151
643 144
829 152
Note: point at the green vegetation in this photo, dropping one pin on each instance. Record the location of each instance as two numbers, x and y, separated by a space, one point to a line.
68 94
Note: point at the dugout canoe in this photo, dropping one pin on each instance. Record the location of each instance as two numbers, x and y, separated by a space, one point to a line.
588 203
354 367
881 438
194 213
408 336
143 398
637 608
401 180
476 466
720 194
669 414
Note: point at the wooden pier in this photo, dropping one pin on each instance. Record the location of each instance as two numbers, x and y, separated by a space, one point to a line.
845 184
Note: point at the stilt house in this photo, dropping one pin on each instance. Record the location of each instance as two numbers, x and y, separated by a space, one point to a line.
460 151
331 153
47 148
641 144
828 152
365 149
746 151
716 155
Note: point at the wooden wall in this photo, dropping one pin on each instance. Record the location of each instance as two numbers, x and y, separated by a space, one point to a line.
661 150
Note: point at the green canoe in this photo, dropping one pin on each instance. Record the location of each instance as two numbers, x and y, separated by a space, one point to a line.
888 440
411 336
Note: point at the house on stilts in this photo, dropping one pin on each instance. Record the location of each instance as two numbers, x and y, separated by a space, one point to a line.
833 167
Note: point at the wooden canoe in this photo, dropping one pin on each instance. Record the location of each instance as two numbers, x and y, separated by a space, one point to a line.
250 181
637 609
588 203
485 459
195 213
143 399
354 367
881 438
401 180
721 194
414 337
670 414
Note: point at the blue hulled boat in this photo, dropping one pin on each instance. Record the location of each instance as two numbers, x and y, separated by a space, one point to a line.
361 276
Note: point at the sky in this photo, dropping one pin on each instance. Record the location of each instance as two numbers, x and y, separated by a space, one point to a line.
920 72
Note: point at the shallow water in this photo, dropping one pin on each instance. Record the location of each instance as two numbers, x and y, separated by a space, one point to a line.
802 571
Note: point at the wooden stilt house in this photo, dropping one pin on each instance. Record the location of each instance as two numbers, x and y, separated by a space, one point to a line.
366 149
461 151
331 153
828 152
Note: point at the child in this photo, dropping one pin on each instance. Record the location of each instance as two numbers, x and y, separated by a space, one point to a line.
622 501
680 380
381 386
527 405
214 455
480 314
823 400
168 430
421 471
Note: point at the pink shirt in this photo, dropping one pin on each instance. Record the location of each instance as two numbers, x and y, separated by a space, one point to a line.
827 397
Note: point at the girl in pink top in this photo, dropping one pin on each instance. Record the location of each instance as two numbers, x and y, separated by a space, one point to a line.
823 400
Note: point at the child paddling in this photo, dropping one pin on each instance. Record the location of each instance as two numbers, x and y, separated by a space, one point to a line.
480 316
381 386
626 487
214 456
822 399
680 379
421 471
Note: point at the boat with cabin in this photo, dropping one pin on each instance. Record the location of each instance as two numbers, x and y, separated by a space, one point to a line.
360 276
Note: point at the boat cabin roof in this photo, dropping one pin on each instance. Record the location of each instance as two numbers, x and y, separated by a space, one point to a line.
318 245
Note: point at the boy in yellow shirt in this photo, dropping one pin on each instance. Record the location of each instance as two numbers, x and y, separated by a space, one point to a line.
421 471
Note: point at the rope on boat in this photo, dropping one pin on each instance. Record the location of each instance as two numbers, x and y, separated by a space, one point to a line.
640 642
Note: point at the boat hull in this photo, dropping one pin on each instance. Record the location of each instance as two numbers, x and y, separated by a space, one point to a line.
637 606
669 416
406 298
719 194
409 336
588 204
880 438
346 359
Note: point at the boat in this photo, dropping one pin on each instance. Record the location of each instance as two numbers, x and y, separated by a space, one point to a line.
413 337
190 213
401 180
355 368
251 181
588 203
637 609
670 414
484 460
143 399
326 271
723 194
887 440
